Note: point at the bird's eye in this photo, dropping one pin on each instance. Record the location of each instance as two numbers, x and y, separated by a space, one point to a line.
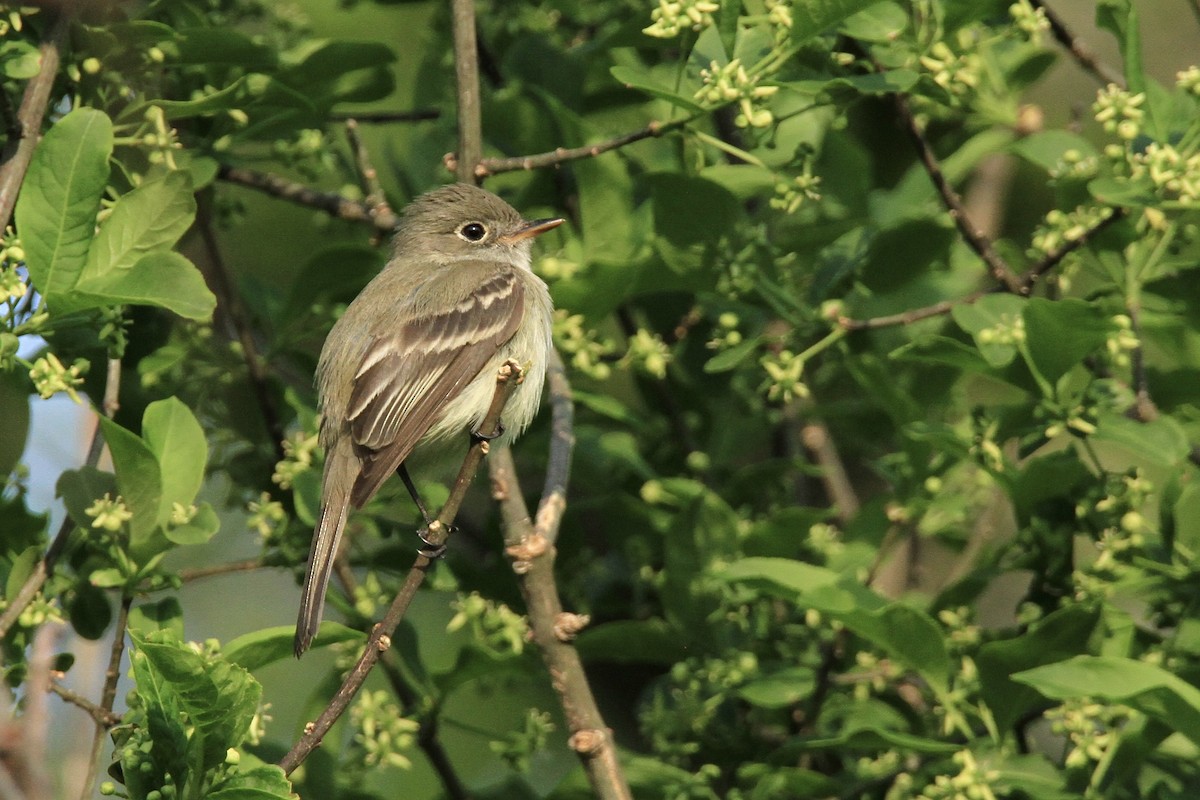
472 231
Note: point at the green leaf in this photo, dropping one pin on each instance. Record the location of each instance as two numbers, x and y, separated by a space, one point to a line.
152 217
989 313
1160 441
139 481
1128 192
814 17
210 46
56 210
875 739
219 698
935 349
177 442
1146 687
1059 333
628 641
259 648
1046 148
880 22
165 615
79 488
14 410
89 610
264 782
1059 636
780 689
198 530
1119 18
732 357
19 61
637 79
163 278
22 568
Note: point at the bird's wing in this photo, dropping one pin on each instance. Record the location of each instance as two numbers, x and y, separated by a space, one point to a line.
406 377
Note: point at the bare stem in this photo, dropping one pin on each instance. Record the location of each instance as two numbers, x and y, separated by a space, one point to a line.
553 630
108 696
333 204
1078 49
45 568
494 166
416 115
974 238
466 77
379 639
18 150
1053 259
197 573
101 716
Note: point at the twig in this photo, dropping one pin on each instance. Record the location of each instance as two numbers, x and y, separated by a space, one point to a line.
562 445
366 170
35 723
666 398
553 630
427 733
1195 6
439 530
197 573
18 150
45 568
331 203
466 80
953 203
1082 54
833 473
416 115
912 315
1052 259
101 716
1144 407
108 696
494 166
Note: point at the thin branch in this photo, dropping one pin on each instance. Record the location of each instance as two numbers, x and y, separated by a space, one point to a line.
494 166
427 732
974 238
236 319
438 532
18 150
331 203
372 188
833 472
466 80
1144 406
108 696
416 115
667 399
99 715
912 315
35 723
45 568
562 445
553 630
1078 49
197 573
1052 259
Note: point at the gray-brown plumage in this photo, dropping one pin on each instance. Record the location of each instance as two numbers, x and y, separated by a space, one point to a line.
414 358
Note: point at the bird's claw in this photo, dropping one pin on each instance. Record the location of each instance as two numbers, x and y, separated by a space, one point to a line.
429 548
478 436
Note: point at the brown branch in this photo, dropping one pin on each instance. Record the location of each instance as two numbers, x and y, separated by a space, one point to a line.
197 573
912 315
553 630
372 188
833 472
1144 407
974 238
99 715
562 444
1079 50
35 722
233 314
416 115
379 639
466 81
331 203
1053 259
494 166
18 150
108 696
45 568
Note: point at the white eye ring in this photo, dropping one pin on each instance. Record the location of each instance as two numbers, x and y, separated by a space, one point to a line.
473 231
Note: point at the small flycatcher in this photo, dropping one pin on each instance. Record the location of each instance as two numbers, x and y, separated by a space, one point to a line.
414 359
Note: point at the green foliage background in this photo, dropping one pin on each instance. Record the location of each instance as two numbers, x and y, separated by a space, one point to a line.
853 512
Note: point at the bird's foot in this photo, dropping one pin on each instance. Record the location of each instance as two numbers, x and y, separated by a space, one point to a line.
478 436
429 548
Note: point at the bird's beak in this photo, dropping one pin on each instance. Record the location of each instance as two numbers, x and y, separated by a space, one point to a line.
529 230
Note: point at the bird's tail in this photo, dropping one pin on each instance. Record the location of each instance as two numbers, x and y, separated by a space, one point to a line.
335 502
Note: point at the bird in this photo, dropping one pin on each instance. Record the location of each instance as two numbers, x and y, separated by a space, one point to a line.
413 360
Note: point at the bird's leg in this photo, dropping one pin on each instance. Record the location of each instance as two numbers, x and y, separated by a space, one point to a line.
430 550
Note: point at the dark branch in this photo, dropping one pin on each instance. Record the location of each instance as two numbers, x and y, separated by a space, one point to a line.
333 204
1078 49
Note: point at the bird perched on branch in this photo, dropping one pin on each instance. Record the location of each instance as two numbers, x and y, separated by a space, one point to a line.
414 359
